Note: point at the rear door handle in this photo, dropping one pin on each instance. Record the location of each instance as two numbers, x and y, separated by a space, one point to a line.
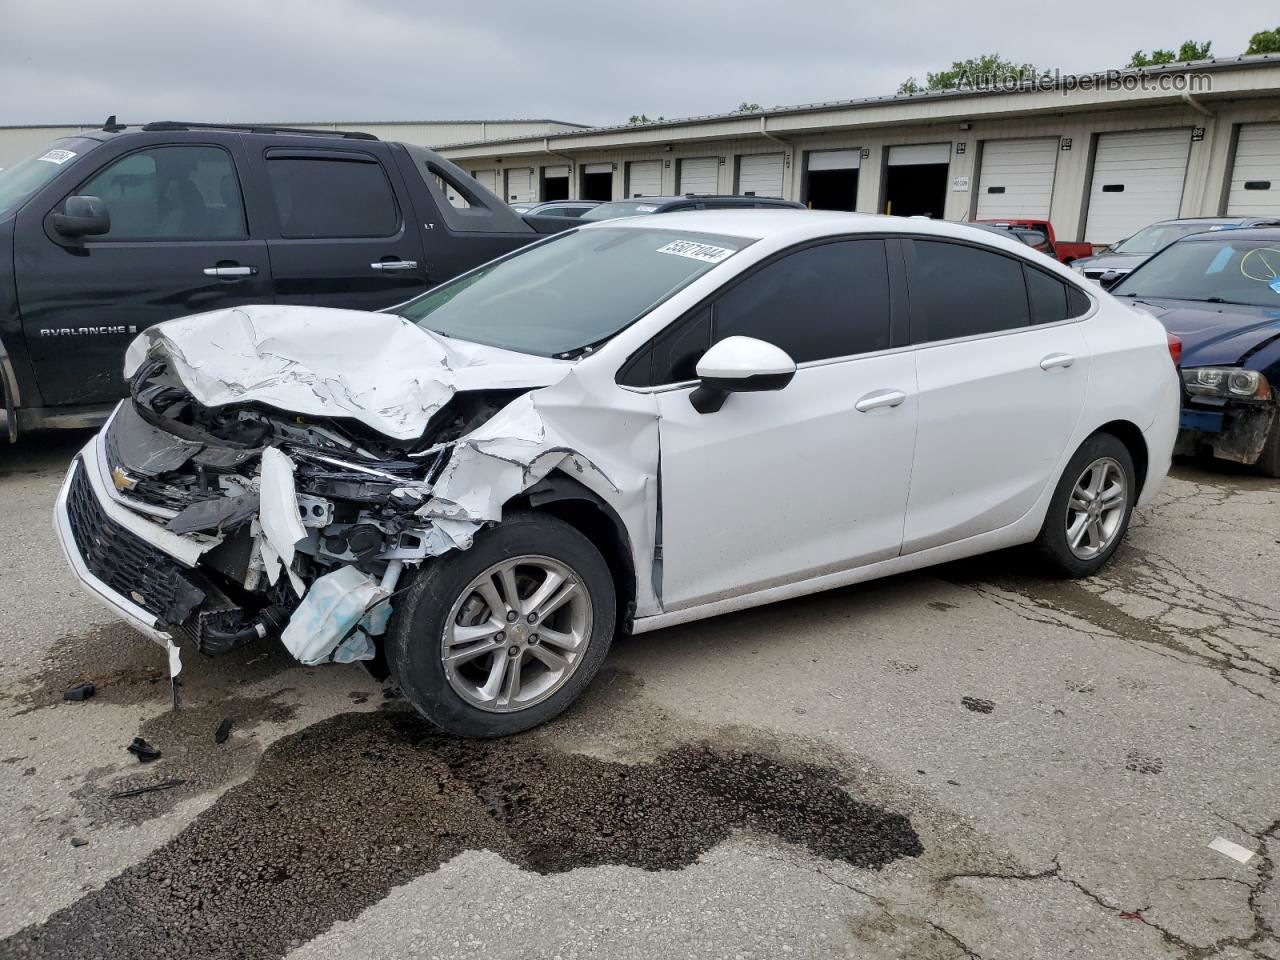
395 265
1057 360
878 399
230 271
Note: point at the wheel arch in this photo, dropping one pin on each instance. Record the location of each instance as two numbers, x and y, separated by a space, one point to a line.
1128 433
565 498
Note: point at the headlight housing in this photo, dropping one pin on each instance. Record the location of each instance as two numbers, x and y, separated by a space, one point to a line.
1226 382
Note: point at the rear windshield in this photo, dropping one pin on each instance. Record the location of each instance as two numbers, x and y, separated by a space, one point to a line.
1214 271
1159 235
25 177
573 291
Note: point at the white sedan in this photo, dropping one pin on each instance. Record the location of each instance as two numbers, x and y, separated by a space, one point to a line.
626 426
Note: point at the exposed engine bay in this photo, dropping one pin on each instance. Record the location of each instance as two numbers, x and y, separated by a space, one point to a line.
289 499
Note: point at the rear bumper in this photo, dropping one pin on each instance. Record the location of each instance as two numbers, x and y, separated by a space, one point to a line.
120 605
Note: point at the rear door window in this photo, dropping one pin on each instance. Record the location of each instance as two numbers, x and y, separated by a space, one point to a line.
962 291
331 197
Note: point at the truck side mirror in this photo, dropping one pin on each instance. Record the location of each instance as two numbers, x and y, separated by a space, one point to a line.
82 217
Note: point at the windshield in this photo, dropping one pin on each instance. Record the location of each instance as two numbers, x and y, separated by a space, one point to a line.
577 289
1159 235
1215 271
620 208
27 176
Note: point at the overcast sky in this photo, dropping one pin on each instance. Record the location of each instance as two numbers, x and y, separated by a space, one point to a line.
353 60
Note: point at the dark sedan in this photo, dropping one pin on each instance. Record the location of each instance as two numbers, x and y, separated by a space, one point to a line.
1220 293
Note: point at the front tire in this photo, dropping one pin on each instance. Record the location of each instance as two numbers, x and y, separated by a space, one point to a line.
1269 462
502 637
1090 510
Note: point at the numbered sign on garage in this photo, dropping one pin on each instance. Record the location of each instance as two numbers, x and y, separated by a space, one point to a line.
644 178
699 175
1255 176
1017 178
760 175
519 185
1137 180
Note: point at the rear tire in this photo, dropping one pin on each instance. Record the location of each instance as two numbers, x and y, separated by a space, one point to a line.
1090 510
514 662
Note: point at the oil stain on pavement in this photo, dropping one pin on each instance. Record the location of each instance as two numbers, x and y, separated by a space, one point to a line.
338 814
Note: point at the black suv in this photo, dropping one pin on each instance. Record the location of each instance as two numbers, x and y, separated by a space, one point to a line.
640 206
110 231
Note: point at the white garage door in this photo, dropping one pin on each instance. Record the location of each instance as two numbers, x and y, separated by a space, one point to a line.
1017 178
760 175
644 178
1255 178
519 185
1137 180
699 175
488 179
834 159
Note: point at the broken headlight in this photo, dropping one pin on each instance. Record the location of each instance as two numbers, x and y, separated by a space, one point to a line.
1226 382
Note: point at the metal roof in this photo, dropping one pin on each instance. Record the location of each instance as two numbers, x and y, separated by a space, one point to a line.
1212 64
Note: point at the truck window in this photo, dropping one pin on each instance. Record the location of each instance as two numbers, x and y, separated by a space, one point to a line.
320 197
171 193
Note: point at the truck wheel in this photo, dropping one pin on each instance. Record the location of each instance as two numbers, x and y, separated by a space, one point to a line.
1090 509
502 637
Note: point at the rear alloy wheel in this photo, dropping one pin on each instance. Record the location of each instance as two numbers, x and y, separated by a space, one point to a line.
1091 507
499 638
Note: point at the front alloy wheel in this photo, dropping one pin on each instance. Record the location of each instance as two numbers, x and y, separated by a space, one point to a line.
499 638
516 633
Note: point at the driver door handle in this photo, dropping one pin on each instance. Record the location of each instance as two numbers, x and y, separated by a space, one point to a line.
878 399
230 271
1057 360
395 265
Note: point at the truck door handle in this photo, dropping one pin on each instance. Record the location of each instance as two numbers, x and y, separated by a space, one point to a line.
1057 360
395 265
878 399
230 271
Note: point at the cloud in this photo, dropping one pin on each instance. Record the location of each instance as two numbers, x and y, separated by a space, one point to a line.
364 60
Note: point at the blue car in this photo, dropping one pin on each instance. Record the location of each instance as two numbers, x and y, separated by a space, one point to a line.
1220 294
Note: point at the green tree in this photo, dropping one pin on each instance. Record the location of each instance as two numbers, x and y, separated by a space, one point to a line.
642 118
1190 50
1265 41
745 107
987 70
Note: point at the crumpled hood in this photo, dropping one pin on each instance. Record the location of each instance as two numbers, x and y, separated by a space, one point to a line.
378 368
1214 333
1112 261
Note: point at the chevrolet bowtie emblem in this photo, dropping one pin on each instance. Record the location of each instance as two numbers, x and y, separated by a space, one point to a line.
122 480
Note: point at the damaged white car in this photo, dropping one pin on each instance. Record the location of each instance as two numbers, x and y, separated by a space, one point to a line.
626 426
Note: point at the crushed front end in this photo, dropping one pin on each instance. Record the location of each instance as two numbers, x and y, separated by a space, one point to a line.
211 526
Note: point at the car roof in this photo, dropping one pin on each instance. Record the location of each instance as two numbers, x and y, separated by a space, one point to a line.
1243 233
797 225
704 196
1210 221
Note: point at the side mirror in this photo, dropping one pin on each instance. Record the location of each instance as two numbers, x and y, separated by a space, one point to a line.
1109 279
82 217
739 365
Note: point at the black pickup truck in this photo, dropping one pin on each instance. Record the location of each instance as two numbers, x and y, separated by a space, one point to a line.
110 231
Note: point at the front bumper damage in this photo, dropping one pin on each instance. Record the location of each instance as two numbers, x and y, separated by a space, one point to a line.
1235 430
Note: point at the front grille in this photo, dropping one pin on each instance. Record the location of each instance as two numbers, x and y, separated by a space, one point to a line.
150 490
124 561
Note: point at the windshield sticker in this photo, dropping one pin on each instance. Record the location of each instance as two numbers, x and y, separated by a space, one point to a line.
645 208
1275 285
697 251
57 156
1221 260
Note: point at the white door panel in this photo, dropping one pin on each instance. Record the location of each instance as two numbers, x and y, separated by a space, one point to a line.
519 185
1137 180
699 175
1017 178
1255 176
783 485
760 175
489 180
993 426
644 178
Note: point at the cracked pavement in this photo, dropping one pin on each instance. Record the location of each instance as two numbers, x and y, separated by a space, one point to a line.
1037 767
